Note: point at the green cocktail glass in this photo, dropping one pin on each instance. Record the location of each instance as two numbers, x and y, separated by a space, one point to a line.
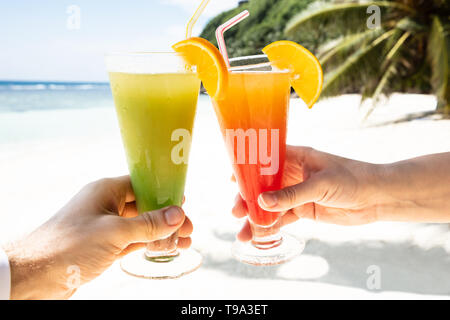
156 100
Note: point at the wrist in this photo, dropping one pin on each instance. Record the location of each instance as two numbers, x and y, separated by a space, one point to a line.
381 197
393 200
25 273
372 180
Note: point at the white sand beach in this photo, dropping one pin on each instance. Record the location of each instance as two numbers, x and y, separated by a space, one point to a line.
47 156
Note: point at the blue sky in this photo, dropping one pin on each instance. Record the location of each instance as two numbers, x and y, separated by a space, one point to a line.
36 43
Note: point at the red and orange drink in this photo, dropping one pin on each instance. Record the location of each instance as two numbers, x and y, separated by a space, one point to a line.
253 119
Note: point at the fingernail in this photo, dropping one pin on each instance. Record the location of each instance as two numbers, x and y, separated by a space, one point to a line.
173 216
268 200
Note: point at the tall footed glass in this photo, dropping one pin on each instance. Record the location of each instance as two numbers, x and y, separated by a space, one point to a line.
253 119
156 99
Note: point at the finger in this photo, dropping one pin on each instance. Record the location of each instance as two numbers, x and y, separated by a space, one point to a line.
112 193
311 190
240 207
306 211
289 218
233 178
120 187
130 210
155 225
184 243
312 158
246 233
186 229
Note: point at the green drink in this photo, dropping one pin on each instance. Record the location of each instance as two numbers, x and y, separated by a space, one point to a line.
156 116
156 100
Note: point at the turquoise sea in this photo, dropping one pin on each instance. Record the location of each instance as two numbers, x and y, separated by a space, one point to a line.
37 110
21 96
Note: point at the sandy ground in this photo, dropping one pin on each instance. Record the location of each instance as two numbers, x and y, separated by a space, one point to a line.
47 156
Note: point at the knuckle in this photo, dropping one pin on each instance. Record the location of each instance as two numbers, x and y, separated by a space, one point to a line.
306 152
103 182
150 225
290 195
309 150
327 187
98 185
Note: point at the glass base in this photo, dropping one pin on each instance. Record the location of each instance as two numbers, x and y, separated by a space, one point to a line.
283 251
139 265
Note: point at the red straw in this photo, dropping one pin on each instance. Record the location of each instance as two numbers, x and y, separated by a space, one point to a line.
221 31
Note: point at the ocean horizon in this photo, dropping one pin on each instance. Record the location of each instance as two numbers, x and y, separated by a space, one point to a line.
33 95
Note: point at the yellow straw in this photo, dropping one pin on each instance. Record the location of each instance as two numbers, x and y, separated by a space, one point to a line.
193 20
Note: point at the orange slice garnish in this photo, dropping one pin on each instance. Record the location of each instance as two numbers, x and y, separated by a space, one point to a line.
211 67
306 71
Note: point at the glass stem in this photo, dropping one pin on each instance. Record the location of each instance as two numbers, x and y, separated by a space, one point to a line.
266 237
164 250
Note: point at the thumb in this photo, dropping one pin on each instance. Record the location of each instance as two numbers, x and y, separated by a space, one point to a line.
311 190
156 225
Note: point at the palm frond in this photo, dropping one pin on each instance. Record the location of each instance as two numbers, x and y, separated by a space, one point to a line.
408 24
335 78
341 47
374 89
386 77
352 15
394 51
438 58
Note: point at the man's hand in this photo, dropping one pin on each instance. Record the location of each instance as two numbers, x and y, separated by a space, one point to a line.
318 186
99 225
336 190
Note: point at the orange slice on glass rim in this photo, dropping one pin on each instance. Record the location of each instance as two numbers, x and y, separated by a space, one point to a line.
211 67
306 71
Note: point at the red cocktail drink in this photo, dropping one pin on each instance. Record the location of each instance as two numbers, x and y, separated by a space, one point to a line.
253 119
